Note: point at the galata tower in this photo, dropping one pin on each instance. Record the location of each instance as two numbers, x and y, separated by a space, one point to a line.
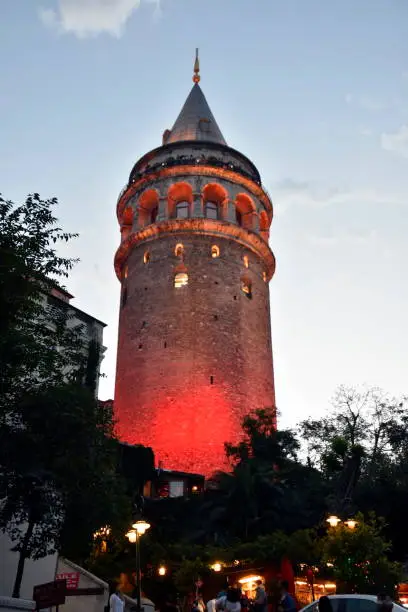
194 349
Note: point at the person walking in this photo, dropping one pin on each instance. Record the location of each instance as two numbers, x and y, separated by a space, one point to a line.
116 602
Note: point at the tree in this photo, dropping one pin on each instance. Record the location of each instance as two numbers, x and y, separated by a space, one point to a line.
359 557
268 488
188 574
31 331
57 448
352 442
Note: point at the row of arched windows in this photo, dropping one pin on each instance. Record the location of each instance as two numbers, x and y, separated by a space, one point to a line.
179 252
181 280
179 205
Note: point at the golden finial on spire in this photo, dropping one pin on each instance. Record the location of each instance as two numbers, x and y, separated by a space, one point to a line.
196 77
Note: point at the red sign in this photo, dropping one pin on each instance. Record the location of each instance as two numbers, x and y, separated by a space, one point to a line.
72 579
49 594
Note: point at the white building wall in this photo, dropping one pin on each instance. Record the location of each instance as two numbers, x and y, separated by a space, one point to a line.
35 572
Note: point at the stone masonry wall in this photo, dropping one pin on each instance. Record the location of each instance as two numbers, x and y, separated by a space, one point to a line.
192 361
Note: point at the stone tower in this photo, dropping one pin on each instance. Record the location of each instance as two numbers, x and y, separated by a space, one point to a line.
194 348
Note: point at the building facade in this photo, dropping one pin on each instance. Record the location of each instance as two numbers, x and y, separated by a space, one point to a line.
194 349
89 328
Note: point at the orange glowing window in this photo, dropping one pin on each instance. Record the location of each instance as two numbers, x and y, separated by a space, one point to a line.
180 280
125 272
146 257
179 250
246 287
215 251
246 261
264 276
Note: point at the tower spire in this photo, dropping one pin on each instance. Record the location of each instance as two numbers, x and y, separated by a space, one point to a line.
196 77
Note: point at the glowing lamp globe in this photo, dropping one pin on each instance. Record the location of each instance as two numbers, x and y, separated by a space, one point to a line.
351 523
162 570
216 567
131 536
141 527
333 520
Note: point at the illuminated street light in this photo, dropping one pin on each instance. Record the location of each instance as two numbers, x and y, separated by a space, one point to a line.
333 520
216 567
134 535
351 523
141 527
162 570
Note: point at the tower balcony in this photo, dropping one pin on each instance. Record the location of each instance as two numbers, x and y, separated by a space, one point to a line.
193 160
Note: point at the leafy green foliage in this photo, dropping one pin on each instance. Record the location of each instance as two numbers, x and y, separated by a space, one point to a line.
30 332
359 556
188 573
268 488
58 455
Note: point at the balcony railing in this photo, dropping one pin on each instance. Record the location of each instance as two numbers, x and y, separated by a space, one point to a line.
193 160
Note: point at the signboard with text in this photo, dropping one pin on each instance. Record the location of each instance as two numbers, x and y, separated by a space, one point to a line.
72 579
49 594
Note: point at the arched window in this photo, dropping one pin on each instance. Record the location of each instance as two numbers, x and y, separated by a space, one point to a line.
215 251
125 272
148 207
153 214
215 198
246 261
182 210
245 209
179 200
264 276
264 225
211 210
179 250
126 223
246 287
180 280
146 257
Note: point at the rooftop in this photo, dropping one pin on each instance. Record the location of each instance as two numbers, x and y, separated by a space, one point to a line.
195 121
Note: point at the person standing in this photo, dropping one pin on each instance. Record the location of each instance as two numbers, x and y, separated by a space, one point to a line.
325 604
287 601
384 603
116 603
261 598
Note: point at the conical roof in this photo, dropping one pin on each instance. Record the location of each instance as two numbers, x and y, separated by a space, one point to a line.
195 121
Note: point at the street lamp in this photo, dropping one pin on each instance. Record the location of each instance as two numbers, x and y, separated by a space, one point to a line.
216 567
162 570
134 535
333 520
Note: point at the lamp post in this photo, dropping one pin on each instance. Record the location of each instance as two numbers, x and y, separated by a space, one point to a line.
134 535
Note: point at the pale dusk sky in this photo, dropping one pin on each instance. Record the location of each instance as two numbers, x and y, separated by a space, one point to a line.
315 93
